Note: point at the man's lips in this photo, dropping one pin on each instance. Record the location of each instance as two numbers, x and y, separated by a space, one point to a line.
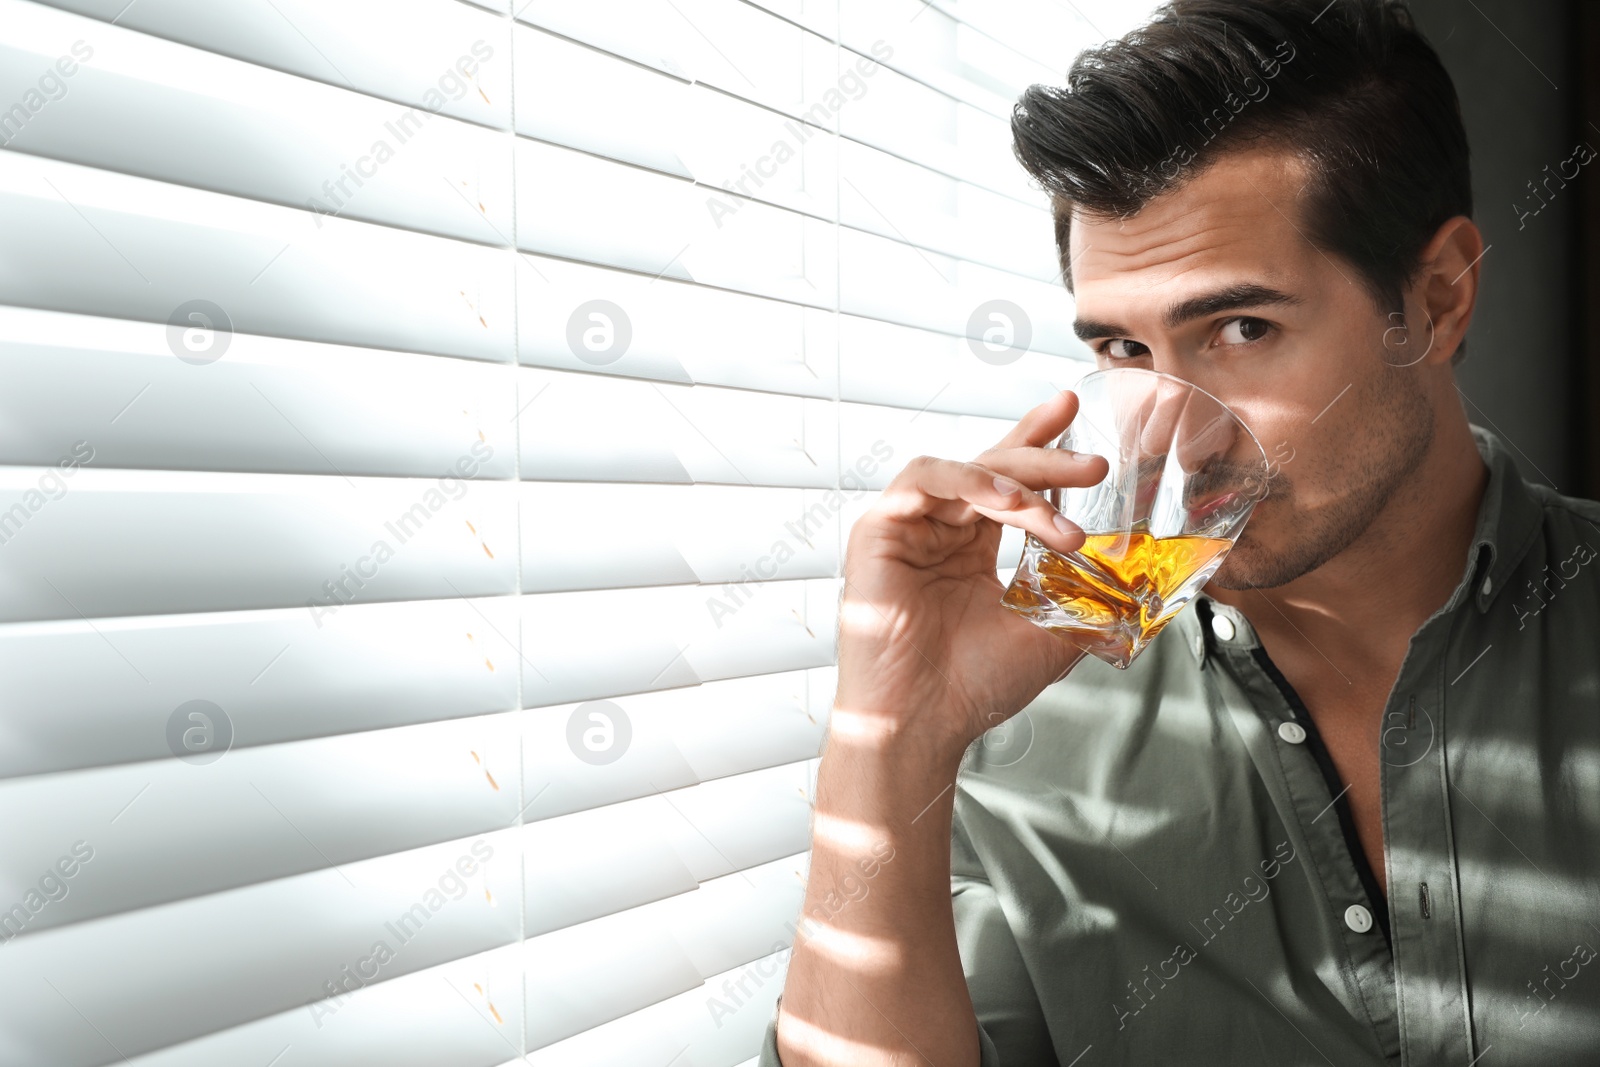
1207 509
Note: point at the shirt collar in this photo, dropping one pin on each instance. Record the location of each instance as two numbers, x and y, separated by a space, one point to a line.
1507 522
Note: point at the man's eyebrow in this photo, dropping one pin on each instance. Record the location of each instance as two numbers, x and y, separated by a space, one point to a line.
1233 298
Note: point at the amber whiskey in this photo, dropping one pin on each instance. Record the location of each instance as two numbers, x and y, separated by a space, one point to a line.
1112 596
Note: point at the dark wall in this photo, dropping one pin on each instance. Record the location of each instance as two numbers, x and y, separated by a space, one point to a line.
1586 395
1516 66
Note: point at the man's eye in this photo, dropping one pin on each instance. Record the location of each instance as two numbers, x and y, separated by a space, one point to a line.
1244 330
1122 348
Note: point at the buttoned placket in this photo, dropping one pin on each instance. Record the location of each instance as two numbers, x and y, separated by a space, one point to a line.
1419 842
1281 742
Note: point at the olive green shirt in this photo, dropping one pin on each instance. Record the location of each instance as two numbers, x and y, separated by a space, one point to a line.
1158 865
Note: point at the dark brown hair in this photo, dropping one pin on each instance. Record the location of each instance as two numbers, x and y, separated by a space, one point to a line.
1350 86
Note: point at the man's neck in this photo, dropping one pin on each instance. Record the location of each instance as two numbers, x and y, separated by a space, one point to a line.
1359 609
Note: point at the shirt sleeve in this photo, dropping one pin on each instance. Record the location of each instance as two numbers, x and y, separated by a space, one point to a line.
988 1057
1011 1025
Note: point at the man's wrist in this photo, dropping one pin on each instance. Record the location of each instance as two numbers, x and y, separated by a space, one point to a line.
899 784
916 735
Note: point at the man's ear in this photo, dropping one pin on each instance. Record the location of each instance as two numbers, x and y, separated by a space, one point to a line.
1446 287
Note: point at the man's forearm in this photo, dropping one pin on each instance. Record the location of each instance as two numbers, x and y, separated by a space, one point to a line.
875 976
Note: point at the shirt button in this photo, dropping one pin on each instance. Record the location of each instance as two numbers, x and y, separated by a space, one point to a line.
1222 626
1358 918
1488 584
1292 732
1200 645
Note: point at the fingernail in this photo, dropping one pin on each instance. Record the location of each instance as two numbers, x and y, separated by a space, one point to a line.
1005 487
1064 524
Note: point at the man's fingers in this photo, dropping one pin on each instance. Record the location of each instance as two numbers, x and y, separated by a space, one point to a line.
1044 423
1048 468
956 492
1044 522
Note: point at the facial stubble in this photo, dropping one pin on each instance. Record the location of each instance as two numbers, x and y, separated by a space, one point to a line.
1393 425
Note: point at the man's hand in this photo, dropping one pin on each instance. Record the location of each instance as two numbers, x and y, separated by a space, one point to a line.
928 656
928 660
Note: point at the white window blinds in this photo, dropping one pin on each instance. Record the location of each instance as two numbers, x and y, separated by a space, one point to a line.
429 435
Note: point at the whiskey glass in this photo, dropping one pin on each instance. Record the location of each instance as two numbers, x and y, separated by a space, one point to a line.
1185 474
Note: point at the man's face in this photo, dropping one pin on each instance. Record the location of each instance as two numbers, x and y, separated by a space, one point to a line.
1298 350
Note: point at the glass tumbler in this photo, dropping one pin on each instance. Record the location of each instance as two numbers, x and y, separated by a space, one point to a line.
1185 473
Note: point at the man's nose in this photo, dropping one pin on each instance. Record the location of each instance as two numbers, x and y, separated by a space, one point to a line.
1170 415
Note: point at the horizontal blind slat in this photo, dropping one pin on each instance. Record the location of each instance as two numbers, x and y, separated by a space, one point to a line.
671 433
783 67
672 739
601 970
458 1014
400 50
247 953
146 106
82 695
588 646
107 244
184 830
637 219
596 862
270 406
717 1022
953 57
709 534
122 543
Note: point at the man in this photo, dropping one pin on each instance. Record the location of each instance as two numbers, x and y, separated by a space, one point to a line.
1345 810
